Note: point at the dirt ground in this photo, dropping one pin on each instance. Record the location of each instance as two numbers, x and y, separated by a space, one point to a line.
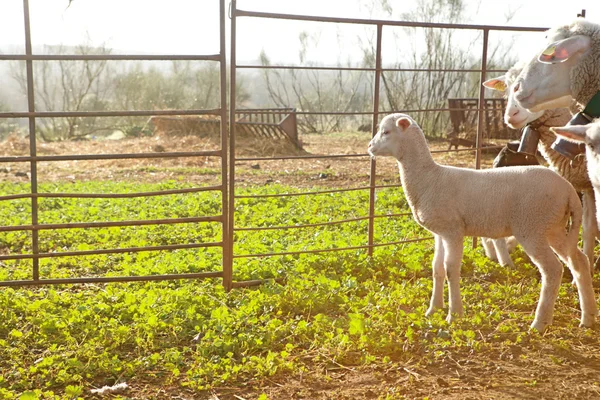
327 172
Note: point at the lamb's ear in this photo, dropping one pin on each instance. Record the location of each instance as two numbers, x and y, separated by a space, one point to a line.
564 49
403 123
574 133
498 83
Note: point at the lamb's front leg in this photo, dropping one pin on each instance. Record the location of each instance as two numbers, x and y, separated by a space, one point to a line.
437 296
453 253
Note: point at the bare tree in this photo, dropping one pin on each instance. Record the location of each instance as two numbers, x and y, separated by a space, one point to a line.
67 85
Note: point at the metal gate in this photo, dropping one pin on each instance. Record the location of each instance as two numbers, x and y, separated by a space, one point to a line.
227 187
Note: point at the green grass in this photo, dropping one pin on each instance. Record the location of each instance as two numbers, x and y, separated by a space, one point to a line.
347 308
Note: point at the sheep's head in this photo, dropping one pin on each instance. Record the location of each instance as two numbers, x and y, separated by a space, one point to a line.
392 133
588 134
545 82
515 115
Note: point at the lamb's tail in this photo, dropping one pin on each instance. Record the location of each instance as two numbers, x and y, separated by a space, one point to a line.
574 217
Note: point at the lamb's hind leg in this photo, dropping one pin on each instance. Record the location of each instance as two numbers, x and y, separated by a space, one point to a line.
502 252
551 270
589 226
579 265
437 296
453 252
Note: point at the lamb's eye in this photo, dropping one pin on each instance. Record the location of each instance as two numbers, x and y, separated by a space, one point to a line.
517 86
386 132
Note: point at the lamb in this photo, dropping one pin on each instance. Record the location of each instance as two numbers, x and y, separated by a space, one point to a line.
575 171
590 135
568 67
532 203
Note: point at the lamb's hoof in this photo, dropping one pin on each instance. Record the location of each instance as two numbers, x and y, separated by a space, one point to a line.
539 326
432 309
452 317
587 321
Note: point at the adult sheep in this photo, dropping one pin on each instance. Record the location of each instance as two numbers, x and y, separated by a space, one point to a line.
532 203
540 123
568 68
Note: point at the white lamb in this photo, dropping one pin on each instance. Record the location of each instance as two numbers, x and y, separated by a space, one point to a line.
518 117
532 203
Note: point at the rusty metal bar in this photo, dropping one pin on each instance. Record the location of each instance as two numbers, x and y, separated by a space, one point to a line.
262 196
109 279
228 269
332 68
375 119
111 195
96 157
481 110
242 13
108 57
32 141
227 248
288 253
187 246
318 224
116 113
318 156
108 224
255 282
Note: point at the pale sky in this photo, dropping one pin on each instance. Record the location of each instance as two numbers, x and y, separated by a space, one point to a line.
191 26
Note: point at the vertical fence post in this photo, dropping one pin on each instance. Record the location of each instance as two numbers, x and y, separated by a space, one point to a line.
372 180
32 143
481 108
228 269
227 244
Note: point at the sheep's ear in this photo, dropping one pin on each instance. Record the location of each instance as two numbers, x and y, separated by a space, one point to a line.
498 83
403 123
564 49
574 133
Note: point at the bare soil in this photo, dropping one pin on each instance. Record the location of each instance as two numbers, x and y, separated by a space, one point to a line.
250 166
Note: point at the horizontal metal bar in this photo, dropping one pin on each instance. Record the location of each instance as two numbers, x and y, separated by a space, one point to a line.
111 251
311 157
463 150
259 196
395 111
255 282
109 224
132 113
410 24
287 253
396 185
343 221
403 242
109 279
267 228
363 69
406 214
109 57
81 157
111 195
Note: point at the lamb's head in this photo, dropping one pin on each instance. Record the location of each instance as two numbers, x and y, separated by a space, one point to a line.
590 135
515 115
394 132
560 70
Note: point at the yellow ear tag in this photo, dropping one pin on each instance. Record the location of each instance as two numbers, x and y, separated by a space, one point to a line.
500 86
550 51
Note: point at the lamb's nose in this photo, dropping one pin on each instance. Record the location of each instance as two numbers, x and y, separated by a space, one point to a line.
515 113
